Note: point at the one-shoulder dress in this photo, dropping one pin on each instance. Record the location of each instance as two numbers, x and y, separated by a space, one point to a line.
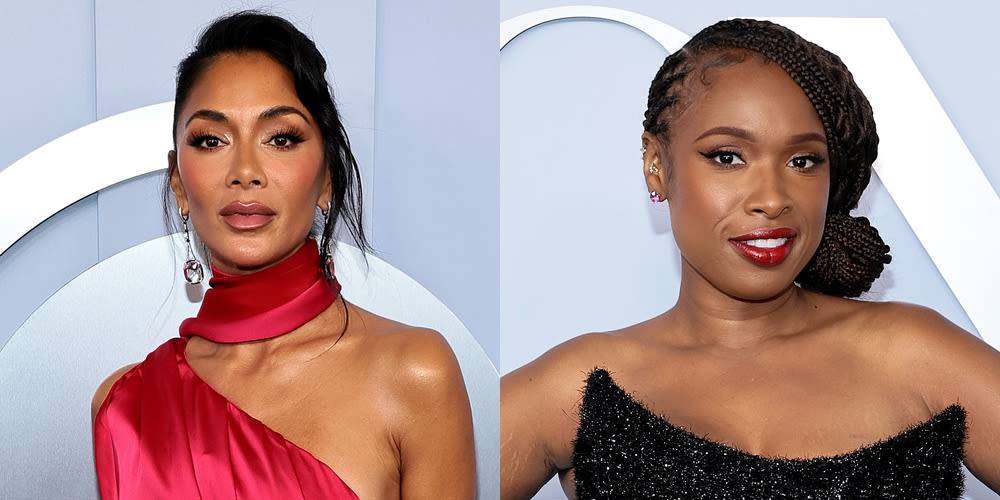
164 433
624 451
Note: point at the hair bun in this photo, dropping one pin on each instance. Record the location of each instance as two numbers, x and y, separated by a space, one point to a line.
849 259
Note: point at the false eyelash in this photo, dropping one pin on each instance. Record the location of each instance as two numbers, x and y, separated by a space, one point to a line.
714 154
292 134
816 160
197 139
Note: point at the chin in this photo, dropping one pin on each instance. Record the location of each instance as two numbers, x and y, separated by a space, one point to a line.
762 289
244 257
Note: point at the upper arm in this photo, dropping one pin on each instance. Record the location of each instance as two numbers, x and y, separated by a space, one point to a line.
954 366
437 452
539 417
105 388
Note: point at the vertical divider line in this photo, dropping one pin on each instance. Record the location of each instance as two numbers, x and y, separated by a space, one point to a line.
93 18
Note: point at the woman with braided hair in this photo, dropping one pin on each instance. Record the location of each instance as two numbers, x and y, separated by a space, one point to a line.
765 379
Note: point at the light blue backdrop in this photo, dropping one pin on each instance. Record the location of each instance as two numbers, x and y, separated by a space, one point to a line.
415 80
573 200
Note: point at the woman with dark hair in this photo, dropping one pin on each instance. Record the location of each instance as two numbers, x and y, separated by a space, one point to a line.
765 380
279 381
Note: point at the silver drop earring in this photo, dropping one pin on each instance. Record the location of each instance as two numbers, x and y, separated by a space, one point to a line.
193 272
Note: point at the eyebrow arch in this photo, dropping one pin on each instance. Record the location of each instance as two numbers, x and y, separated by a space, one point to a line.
281 111
746 134
207 114
218 116
733 131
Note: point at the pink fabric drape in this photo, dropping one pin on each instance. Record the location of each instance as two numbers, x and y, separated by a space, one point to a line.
163 433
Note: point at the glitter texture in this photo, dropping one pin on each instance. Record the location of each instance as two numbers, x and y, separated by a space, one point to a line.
624 451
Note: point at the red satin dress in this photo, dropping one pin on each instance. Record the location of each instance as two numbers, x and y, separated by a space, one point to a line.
164 433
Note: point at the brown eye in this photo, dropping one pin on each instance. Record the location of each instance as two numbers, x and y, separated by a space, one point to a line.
804 162
723 157
206 141
284 141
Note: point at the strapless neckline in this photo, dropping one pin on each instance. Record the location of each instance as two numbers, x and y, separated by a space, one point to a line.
623 451
950 414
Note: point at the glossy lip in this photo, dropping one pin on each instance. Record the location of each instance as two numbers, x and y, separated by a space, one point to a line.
246 216
765 256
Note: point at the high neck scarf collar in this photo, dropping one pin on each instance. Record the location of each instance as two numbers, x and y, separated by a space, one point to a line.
265 304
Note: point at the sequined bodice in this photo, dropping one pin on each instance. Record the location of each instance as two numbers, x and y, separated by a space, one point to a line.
624 451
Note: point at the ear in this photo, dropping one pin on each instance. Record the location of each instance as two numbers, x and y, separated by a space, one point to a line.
323 201
175 182
654 165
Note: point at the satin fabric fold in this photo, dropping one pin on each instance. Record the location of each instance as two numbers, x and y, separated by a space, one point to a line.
163 433
264 304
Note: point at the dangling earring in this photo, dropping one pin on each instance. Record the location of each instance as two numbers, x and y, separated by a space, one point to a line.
654 197
193 272
328 261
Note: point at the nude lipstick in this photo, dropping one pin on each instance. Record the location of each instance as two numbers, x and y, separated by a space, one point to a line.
246 216
767 247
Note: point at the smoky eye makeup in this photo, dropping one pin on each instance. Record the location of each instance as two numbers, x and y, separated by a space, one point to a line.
204 139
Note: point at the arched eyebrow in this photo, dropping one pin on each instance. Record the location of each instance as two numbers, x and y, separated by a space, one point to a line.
746 134
281 111
207 114
218 116
731 131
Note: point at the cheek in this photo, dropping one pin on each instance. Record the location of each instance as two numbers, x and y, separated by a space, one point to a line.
302 174
700 202
816 197
199 177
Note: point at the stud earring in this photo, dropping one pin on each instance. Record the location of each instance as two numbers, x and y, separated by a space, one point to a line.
193 272
653 169
654 197
327 211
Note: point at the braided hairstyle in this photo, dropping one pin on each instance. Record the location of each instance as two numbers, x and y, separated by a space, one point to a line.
851 255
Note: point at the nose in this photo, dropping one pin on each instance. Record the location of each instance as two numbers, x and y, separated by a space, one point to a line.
768 195
245 170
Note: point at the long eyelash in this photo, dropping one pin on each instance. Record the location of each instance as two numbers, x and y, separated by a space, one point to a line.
292 134
197 139
815 159
715 153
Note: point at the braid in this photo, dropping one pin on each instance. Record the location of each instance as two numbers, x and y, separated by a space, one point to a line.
851 255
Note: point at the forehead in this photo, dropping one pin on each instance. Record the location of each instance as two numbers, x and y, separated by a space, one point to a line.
245 80
754 94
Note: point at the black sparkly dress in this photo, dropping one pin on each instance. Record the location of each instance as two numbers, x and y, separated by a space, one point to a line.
623 451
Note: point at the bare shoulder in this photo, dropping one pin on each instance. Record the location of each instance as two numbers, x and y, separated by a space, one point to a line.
540 402
102 390
416 360
569 362
919 344
910 327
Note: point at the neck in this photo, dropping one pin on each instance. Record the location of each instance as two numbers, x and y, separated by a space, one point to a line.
709 317
265 304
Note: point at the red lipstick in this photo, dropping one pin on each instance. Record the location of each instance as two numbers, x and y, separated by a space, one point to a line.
246 216
766 247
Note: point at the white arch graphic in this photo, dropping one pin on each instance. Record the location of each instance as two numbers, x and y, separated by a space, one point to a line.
923 162
54 176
